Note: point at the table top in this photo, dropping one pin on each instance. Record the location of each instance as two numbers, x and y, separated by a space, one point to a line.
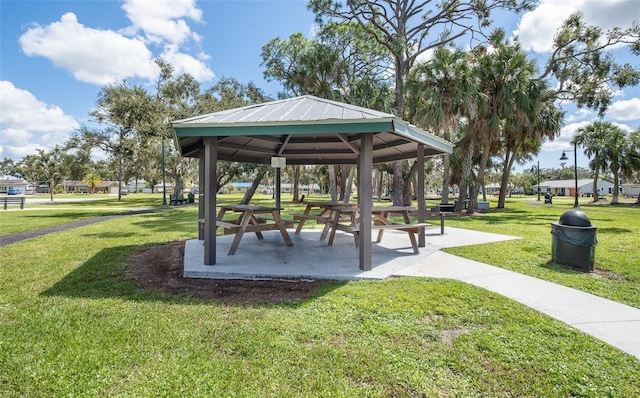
253 208
330 204
382 209
393 208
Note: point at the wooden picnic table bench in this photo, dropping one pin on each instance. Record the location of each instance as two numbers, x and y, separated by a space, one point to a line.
381 222
247 222
177 200
12 200
325 215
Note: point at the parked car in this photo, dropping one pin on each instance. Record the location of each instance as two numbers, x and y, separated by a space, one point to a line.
42 189
13 191
495 193
124 191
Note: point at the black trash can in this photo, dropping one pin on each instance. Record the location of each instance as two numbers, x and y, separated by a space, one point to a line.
191 198
573 241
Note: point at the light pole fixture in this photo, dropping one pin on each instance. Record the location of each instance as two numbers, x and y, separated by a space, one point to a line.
538 171
575 169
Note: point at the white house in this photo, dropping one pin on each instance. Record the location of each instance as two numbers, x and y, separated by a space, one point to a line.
631 190
567 187
15 183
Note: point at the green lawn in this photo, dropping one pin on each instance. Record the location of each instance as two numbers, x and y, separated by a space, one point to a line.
72 323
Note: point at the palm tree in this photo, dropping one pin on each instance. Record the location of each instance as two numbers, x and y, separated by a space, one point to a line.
439 93
630 159
93 180
622 156
592 139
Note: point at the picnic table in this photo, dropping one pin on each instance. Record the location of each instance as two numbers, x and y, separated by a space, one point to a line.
325 214
381 217
249 221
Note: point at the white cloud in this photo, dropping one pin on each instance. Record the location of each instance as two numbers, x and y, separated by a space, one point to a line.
28 124
91 55
100 56
537 27
625 110
185 63
563 141
162 20
580 114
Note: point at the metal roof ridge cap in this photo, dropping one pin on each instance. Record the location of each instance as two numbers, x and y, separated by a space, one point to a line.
357 108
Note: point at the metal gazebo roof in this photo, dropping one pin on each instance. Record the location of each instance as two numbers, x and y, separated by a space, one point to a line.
304 130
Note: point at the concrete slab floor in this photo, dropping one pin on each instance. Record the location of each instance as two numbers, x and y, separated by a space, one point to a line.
310 257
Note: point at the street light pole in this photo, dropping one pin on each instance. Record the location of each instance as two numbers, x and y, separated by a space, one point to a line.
538 181
164 184
575 170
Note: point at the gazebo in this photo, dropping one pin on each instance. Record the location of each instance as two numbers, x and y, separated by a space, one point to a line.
304 130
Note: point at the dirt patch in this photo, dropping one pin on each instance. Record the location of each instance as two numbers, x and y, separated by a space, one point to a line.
160 268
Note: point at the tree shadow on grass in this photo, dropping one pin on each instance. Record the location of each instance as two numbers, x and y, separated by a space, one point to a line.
154 273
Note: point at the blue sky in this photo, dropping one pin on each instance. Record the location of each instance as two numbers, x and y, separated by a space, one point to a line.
55 55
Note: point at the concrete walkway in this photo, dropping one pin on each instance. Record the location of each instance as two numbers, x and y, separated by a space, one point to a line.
614 323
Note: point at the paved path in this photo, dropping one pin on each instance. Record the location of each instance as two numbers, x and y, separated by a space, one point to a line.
614 323
13 238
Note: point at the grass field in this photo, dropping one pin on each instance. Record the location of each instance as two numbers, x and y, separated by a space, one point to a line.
73 324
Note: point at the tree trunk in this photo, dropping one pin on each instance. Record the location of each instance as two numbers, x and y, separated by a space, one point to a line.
465 180
397 186
348 185
51 188
254 185
473 202
595 186
506 170
296 183
332 183
120 178
446 175
407 191
616 188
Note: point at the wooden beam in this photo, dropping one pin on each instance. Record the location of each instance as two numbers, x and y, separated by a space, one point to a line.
284 145
422 206
278 187
210 185
365 197
345 139
391 144
248 148
201 186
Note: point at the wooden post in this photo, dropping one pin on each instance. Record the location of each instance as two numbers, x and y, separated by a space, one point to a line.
201 186
278 189
365 197
422 206
210 164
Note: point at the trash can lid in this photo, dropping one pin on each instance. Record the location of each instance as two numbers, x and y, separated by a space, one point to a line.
575 218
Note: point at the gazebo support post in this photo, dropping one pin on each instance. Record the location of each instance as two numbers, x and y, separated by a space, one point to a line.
422 207
210 162
365 197
278 188
201 187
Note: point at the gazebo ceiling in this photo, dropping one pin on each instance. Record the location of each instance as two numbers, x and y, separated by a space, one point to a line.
304 130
